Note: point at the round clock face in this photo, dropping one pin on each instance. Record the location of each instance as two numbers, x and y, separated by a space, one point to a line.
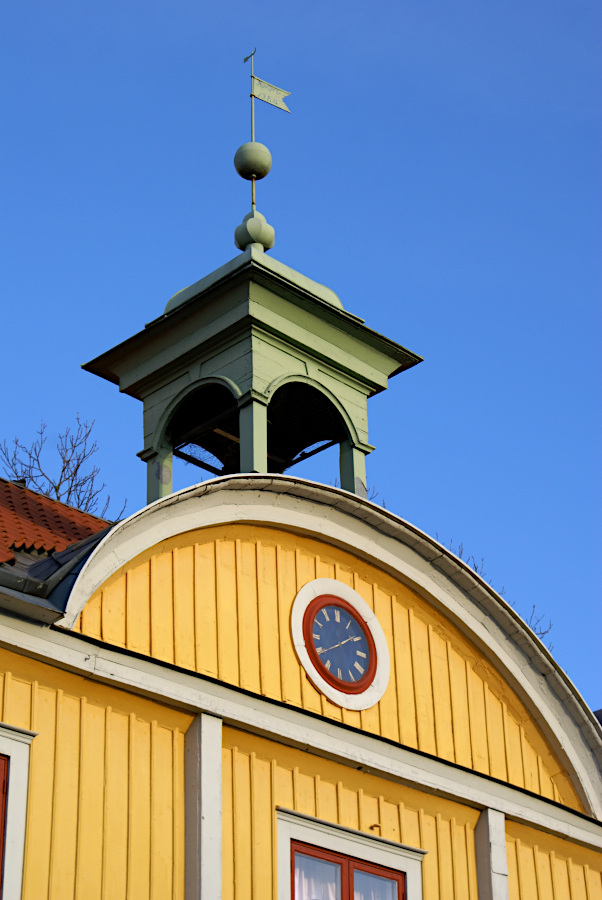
339 644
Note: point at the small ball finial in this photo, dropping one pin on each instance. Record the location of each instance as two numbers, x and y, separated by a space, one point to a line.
254 230
253 161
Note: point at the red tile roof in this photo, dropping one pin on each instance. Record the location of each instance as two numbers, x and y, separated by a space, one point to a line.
30 521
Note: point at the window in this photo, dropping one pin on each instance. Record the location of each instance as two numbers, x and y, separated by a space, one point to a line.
318 860
323 875
14 772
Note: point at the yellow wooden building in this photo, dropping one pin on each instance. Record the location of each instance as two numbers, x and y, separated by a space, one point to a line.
263 688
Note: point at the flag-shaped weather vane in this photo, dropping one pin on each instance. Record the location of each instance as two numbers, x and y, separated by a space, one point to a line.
253 161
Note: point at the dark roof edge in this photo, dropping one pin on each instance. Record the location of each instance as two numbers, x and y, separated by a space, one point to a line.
29 607
29 596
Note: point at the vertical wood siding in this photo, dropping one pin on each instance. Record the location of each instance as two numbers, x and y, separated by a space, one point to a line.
543 867
218 601
259 775
106 787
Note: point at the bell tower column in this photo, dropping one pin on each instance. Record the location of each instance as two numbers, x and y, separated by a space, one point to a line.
159 480
253 431
353 468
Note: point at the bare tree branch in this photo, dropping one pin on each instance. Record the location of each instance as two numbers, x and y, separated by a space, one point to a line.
535 622
77 480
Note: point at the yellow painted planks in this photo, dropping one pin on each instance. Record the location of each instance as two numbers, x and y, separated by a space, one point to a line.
460 716
494 715
205 609
218 601
138 608
477 720
444 731
228 824
269 619
41 788
228 625
404 676
286 584
542 866
421 666
246 595
89 859
260 775
261 826
93 770
139 803
114 612
89 622
161 795
183 608
161 607
115 831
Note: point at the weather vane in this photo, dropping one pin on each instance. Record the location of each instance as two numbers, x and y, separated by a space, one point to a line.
253 161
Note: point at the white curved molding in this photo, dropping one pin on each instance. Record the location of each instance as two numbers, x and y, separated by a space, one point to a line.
364 529
379 683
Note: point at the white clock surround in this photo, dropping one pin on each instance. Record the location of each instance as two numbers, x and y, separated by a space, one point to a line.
330 586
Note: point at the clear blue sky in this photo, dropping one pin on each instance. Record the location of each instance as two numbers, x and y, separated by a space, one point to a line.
440 171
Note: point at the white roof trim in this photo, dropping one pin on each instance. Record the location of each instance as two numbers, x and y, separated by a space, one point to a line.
379 536
294 728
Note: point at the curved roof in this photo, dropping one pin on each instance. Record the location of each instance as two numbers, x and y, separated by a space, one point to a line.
396 546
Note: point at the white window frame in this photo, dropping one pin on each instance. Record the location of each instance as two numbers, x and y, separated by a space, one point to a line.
293 826
15 743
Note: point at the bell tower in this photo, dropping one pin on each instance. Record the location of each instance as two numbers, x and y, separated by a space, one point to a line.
255 367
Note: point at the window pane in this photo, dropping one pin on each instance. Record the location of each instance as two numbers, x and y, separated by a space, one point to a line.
373 887
316 879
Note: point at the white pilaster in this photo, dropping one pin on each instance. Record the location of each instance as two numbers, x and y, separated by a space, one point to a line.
203 779
492 863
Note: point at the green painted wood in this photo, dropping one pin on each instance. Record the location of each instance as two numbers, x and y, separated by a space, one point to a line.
254 325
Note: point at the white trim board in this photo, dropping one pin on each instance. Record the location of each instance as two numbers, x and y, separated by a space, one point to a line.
293 727
14 743
376 535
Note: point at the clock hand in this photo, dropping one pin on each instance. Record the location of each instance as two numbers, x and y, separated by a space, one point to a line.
340 644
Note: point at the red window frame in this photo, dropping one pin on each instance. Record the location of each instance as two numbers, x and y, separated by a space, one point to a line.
4 765
349 864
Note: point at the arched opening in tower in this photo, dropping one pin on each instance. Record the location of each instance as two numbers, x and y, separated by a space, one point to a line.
204 430
302 421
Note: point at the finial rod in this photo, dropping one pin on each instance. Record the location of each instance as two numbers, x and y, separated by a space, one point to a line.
253 161
252 99
250 56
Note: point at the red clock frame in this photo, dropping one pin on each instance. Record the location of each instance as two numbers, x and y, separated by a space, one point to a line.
355 687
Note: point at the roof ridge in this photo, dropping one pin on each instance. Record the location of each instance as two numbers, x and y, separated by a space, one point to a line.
30 520
38 495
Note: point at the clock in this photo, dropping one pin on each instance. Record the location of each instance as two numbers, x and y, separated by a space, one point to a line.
340 643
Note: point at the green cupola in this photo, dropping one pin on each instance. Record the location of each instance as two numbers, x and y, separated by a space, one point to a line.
253 368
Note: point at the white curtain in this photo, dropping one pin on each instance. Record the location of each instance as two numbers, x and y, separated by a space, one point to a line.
316 879
373 887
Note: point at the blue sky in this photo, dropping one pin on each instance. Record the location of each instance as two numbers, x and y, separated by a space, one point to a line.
440 171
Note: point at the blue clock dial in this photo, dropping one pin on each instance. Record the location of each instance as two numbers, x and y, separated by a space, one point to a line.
340 644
